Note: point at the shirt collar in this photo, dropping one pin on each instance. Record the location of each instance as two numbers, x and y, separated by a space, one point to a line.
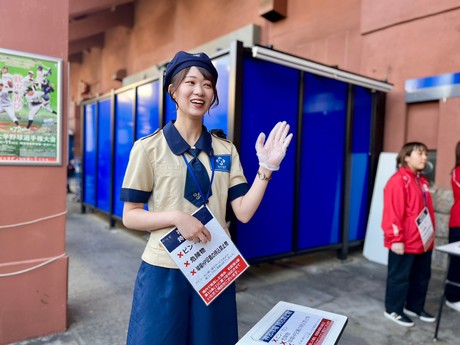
411 172
178 145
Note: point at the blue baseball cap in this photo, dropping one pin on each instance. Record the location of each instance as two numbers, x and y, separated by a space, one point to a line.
183 60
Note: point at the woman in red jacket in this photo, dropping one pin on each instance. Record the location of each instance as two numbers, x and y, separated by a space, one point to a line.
408 225
452 292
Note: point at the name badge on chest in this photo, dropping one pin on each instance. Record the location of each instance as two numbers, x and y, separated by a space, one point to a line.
222 163
425 228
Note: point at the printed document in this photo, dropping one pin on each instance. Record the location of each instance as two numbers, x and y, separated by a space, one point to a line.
292 324
210 267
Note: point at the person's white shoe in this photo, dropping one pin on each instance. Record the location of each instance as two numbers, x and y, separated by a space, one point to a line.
424 316
402 319
454 305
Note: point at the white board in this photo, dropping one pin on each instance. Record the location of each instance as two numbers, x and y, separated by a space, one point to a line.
450 248
373 242
293 324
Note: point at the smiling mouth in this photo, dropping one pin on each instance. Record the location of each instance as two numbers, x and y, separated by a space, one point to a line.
194 101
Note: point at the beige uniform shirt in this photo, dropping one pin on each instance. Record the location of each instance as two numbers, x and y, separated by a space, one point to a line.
156 175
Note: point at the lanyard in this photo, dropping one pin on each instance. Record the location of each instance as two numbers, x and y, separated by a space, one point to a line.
417 179
189 167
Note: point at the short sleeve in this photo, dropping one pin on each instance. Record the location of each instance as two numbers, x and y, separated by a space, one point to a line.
238 184
138 181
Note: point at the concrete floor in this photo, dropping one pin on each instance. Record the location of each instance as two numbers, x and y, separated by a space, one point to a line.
104 263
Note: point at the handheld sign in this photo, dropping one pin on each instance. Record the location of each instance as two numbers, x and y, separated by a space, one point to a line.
210 267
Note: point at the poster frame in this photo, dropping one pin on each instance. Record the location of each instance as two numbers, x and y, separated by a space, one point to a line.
39 143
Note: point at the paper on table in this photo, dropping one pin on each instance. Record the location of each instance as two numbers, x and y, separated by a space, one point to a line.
288 323
451 248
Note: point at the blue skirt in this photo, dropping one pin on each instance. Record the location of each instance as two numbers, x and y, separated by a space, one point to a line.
167 310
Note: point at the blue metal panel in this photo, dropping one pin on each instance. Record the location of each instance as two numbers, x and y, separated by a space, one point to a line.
270 94
432 88
170 109
124 140
90 146
322 163
104 154
432 81
218 116
148 109
360 160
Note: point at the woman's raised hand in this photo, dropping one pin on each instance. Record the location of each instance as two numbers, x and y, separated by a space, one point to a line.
272 151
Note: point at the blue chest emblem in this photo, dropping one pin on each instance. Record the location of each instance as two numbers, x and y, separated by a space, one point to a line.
222 163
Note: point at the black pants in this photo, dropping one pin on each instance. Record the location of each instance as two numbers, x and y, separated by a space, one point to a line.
407 281
453 274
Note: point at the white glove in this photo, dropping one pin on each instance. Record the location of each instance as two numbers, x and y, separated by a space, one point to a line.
273 151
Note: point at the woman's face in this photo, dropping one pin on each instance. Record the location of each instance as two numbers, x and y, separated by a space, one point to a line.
417 160
194 94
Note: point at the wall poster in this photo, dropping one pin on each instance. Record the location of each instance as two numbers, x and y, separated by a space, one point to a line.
30 109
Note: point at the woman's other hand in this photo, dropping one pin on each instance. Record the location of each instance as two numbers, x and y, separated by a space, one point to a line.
272 151
398 248
191 228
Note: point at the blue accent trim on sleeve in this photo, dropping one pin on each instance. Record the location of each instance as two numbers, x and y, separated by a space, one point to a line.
134 195
236 191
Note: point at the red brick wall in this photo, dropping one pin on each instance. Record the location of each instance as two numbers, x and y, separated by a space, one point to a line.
400 42
34 303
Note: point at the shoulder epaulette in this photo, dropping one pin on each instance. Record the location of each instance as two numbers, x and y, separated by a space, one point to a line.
220 138
151 135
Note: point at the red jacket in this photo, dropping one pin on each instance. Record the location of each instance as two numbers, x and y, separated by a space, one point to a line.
403 200
454 221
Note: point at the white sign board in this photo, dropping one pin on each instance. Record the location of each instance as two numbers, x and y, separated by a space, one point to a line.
288 323
373 242
451 248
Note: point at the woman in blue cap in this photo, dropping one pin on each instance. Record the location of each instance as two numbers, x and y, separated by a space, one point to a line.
166 309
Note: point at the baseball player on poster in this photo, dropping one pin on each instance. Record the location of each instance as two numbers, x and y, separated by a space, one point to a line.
41 76
7 78
35 101
6 104
28 81
47 88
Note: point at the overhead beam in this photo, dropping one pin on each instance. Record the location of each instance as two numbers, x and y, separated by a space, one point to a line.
86 43
76 58
101 21
81 7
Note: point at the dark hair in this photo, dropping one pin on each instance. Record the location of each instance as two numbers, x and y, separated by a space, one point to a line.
457 154
406 151
218 132
180 76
